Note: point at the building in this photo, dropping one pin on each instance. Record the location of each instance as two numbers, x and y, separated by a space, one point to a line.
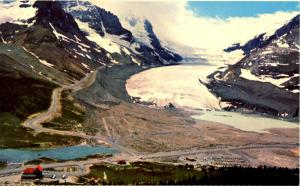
33 173
121 162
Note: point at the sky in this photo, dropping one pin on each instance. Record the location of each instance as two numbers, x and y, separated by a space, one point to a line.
211 25
226 9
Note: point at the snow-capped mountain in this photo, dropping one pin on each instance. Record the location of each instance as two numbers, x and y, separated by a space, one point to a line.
80 41
137 41
68 39
267 78
42 46
263 39
54 38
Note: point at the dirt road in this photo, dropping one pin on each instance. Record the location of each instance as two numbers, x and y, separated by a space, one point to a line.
55 106
54 110
83 164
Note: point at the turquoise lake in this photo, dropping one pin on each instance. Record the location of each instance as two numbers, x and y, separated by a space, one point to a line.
61 153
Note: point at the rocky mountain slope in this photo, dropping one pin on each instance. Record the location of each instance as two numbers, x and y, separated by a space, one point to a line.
104 28
263 39
43 46
267 78
40 51
55 39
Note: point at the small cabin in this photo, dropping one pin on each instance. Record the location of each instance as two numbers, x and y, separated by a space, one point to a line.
33 173
122 162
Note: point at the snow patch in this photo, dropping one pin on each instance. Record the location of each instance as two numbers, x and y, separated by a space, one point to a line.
283 44
137 29
126 51
57 35
94 36
78 8
136 61
114 61
67 39
40 60
248 75
267 52
296 91
12 12
272 64
88 56
77 39
83 49
80 54
87 67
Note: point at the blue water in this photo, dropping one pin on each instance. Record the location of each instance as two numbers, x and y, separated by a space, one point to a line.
61 153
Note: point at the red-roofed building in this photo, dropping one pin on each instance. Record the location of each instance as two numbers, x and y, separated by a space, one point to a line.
28 171
33 173
40 168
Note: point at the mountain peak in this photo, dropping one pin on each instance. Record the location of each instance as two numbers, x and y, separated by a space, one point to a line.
51 14
135 36
262 40
154 40
99 19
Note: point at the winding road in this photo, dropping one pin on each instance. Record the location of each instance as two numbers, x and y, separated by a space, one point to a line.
80 164
234 150
83 170
53 111
34 122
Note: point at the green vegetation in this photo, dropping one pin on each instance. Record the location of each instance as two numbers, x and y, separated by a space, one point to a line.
72 117
98 156
24 91
110 84
2 165
41 160
46 160
158 173
13 135
25 96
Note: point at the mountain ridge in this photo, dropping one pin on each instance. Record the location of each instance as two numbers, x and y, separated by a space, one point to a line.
266 80
136 50
262 40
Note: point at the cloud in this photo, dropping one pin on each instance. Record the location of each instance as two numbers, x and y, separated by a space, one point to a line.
11 11
173 21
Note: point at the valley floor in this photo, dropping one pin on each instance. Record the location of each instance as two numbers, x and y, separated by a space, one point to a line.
171 135
145 130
